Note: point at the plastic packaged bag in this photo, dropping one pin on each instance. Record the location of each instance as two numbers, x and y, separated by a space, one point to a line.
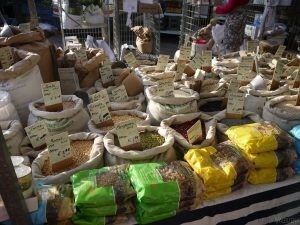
271 175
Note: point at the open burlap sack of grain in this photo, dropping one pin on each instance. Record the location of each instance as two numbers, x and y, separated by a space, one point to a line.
36 42
144 40
156 142
87 153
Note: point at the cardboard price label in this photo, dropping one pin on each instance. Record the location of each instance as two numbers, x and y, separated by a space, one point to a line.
196 62
297 79
162 62
278 70
99 111
130 59
59 147
233 86
195 133
185 52
289 71
37 133
245 68
69 82
127 133
24 27
119 94
106 74
101 95
207 58
165 88
81 55
179 70
199 75
279 51
51 93
235 104
6 57
252 46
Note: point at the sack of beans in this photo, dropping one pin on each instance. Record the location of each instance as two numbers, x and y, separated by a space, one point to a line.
103 192
7 109
224 123
180 125
183 101
73 118
283 111
22 80
270 175
140 118
134 102
156 145
164 190
222 168
87 153
212 106
13 134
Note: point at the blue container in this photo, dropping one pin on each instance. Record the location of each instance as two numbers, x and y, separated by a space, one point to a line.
296 166
295 131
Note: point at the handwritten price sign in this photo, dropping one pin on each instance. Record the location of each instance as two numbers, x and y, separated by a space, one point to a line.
127 133
51 93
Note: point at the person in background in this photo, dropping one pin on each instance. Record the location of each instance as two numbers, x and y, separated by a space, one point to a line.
235 23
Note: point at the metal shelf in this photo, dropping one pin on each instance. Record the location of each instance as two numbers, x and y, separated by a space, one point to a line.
175 32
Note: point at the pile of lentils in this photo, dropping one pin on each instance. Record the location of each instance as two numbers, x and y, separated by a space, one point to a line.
121 118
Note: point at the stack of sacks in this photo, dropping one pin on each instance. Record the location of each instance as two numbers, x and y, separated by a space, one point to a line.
101 194
164 190
268 148
222 168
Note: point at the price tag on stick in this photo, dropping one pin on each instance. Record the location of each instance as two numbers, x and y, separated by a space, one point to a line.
297 79
37 133
185 53
101 95
106 74
277 75
59 149
130 59
179 70
162 62
196 62
165 88
128 135
99 112
207 58
119 94
81 55
235 105
279 51
52 96
6 57
195 133
252 46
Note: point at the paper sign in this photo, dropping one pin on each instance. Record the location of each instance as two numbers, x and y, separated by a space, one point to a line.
37 133
51 93
235 104
252 46
289 71
199 75
81 55
24 27
165 87
162 62
59 147
119 94
99 111
280 51
207 57
130 5
106 72
71 45
245 68
196 62
101 95
130 59
6 57
233 86
179 70
297 79
278 70
69 82
195 132
127 133
185 53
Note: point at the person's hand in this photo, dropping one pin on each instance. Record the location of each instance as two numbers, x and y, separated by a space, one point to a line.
215 8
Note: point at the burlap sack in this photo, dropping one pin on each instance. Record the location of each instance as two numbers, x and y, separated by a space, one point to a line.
143 46
13 134
144 40
146 120
160 108
286 115
115 155
95 160
71 120
210 128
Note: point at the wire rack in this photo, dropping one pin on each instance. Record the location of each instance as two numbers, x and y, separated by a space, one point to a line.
123 35
76 26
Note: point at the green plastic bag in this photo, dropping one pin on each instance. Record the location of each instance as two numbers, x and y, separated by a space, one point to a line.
80 219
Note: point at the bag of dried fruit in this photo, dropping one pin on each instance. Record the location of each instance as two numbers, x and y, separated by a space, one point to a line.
222 168
141 119
103 192
87 153
183 101
73 118
164 189
185 137
13 134
132 102
156 144
283 112
224 123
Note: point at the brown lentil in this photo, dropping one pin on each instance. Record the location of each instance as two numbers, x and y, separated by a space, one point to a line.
80 154
120 118
66 105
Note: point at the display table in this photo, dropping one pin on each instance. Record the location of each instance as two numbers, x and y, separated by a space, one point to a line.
270 204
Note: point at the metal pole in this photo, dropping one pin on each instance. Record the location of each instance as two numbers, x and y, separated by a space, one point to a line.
10 189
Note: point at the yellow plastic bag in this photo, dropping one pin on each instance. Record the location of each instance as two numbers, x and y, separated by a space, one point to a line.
254 137
215 176
218 193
